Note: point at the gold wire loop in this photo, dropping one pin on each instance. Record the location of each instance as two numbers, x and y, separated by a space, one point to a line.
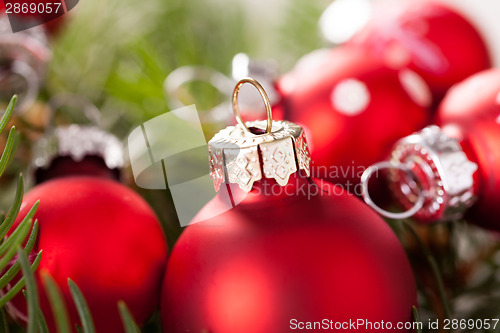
264 96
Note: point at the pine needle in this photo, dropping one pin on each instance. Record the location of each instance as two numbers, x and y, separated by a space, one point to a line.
82 307
8 113
59 310
20 284
127 318
31 291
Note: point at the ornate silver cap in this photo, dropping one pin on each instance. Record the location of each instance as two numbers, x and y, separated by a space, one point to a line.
78 141
241 157
442 169
248 152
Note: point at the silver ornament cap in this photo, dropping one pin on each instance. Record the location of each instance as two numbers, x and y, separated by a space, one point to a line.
448 186
431 177
76 140
248 152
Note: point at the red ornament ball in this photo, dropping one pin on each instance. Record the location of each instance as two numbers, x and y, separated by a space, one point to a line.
285 256
105 238
477 97
435 41
470 112
353 108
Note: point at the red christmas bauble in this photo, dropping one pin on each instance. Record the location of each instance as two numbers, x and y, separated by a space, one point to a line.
285 256
481 143
477 97
104 237
454 170
438 43
470 112
280 251
353 109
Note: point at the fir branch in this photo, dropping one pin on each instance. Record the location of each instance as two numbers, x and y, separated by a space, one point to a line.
15 240
42 323
82 307
434 267
20 284
14 269
127 318
59 310
10 218
31 291
8 113
9 149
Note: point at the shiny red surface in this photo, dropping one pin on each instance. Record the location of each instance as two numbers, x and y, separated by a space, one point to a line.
104 237
472 108
279 256
435 41
483 144
343 143
475 98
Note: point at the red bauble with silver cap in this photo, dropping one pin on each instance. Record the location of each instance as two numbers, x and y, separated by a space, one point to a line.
77 149
471 112
447 173
276 248
434 40
92 229
353 108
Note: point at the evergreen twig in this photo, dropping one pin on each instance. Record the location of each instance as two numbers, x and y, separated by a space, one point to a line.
434 268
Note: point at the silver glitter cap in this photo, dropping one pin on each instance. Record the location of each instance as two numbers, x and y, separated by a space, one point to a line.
443 170
247 152
78 141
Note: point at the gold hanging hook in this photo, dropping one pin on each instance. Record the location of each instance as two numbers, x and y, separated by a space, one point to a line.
264 96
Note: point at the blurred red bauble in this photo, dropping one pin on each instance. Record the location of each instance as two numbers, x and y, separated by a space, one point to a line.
353 109
471 112
476 98
104 237
92 229
435 41
272 257
456 171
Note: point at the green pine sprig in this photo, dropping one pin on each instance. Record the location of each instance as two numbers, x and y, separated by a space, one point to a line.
26 233
60 312
13 244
